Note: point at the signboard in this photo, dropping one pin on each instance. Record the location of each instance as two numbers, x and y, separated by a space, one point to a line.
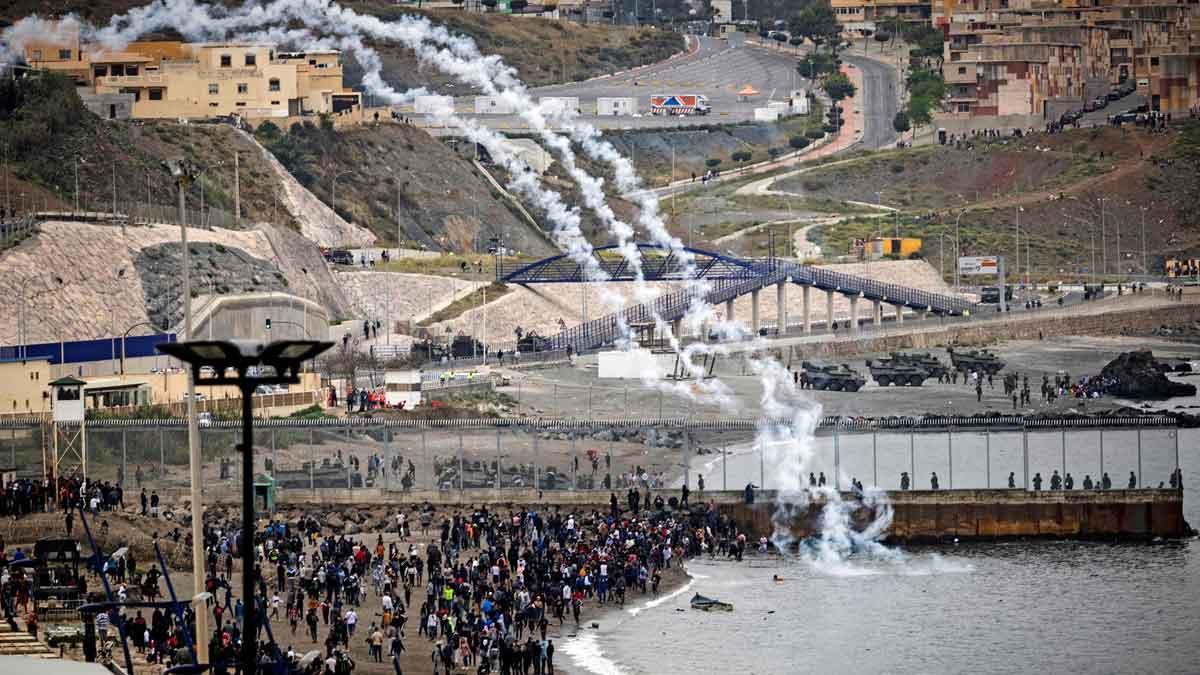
976 265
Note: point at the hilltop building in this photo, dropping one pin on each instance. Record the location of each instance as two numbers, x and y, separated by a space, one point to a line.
1019 63
179 80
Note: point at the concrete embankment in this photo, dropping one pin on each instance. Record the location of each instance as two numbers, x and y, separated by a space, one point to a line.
988 515
1134 320
919 515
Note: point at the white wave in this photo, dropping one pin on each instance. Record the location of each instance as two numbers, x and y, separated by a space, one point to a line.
585 651
634 611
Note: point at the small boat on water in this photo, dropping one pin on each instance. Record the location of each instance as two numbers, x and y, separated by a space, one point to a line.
710 604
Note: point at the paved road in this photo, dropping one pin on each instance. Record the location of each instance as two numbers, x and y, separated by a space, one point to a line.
880 101
714 69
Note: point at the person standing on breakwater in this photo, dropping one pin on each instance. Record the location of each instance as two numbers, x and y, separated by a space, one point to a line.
933 481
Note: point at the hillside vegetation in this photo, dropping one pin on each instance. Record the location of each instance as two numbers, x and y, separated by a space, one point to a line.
1056 183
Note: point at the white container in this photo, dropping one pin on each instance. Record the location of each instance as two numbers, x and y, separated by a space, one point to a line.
616 106
492 105
557 105
433 105
765 115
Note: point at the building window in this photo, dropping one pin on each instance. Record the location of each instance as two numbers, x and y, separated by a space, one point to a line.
64 54
241 104
214 89
1153 61
274 84
962 70
213 104
37 56
131 71
964 107
251 60
226 61
99 71
274 102
156 94
243 88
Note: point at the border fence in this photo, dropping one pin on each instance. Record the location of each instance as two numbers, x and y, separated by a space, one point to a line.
612 454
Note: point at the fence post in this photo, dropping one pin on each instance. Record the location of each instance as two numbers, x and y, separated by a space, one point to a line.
950 454
762 474
724 472
912 458
311 447
274 456
1102 456
460 461
987 449
497 458
1064 456
1178 473
837 459
1025 453
124 463
162 454
574 458
425 460
1140 481
874 456
385 466
537 462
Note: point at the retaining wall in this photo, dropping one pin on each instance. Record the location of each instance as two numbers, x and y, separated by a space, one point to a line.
1118 322
987 515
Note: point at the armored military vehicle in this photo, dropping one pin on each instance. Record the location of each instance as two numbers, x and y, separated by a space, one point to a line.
899 373
924 360
980 360
832 376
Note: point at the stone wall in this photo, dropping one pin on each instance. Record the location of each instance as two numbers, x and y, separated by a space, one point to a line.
925 516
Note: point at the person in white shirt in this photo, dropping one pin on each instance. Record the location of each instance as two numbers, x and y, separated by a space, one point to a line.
351 621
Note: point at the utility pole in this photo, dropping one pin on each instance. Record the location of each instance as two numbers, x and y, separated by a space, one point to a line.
1145 268
237 192
1017 259
399 227
7 198
76 210
957 248
184 174
1103 245
114 188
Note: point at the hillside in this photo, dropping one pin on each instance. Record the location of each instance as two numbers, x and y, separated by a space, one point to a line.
1057 182
543 51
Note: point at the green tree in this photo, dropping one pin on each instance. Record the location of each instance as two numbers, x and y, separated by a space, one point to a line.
838 87
817 23
900 122
712 162
798 142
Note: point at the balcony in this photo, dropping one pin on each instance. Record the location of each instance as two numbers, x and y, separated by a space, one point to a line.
952 76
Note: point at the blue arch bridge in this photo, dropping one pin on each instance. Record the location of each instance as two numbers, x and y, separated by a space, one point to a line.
729 278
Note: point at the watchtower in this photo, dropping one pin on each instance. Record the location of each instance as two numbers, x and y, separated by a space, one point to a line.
69 426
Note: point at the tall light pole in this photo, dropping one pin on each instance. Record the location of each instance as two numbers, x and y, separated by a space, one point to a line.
1145 268
237 193
1103 245
184 173
77 161
957 247
7 197
1017 257
333 197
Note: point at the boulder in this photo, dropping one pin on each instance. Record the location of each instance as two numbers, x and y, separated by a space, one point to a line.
1139 376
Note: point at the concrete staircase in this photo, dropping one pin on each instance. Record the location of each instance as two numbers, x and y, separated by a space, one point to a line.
21 643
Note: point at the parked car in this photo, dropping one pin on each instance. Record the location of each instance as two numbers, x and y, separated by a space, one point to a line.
1123 118
1114 95
340 257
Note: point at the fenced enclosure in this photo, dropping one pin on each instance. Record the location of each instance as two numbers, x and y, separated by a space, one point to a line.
448 455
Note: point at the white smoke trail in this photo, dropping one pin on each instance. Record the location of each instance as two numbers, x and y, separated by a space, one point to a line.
789 419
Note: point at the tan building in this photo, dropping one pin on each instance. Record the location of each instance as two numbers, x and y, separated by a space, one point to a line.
1015 64
25 386
177 80
871 15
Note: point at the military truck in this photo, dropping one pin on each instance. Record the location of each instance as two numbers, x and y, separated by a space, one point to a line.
832 376
924 360
977 360
899 373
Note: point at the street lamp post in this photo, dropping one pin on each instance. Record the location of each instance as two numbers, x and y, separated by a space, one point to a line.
184 173
1145 267
957 247
77 160
1103 244
274 363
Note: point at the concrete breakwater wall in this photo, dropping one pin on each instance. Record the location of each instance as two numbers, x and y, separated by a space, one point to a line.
1129 321
919 515
987 515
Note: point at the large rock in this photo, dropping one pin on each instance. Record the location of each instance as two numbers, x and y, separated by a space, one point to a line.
1139 376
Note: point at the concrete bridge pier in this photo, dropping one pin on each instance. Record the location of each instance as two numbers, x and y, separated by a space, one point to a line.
854 315
729 310
925 314
677 328
899 314
754 323
876 313
828 311
781 308
805 300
